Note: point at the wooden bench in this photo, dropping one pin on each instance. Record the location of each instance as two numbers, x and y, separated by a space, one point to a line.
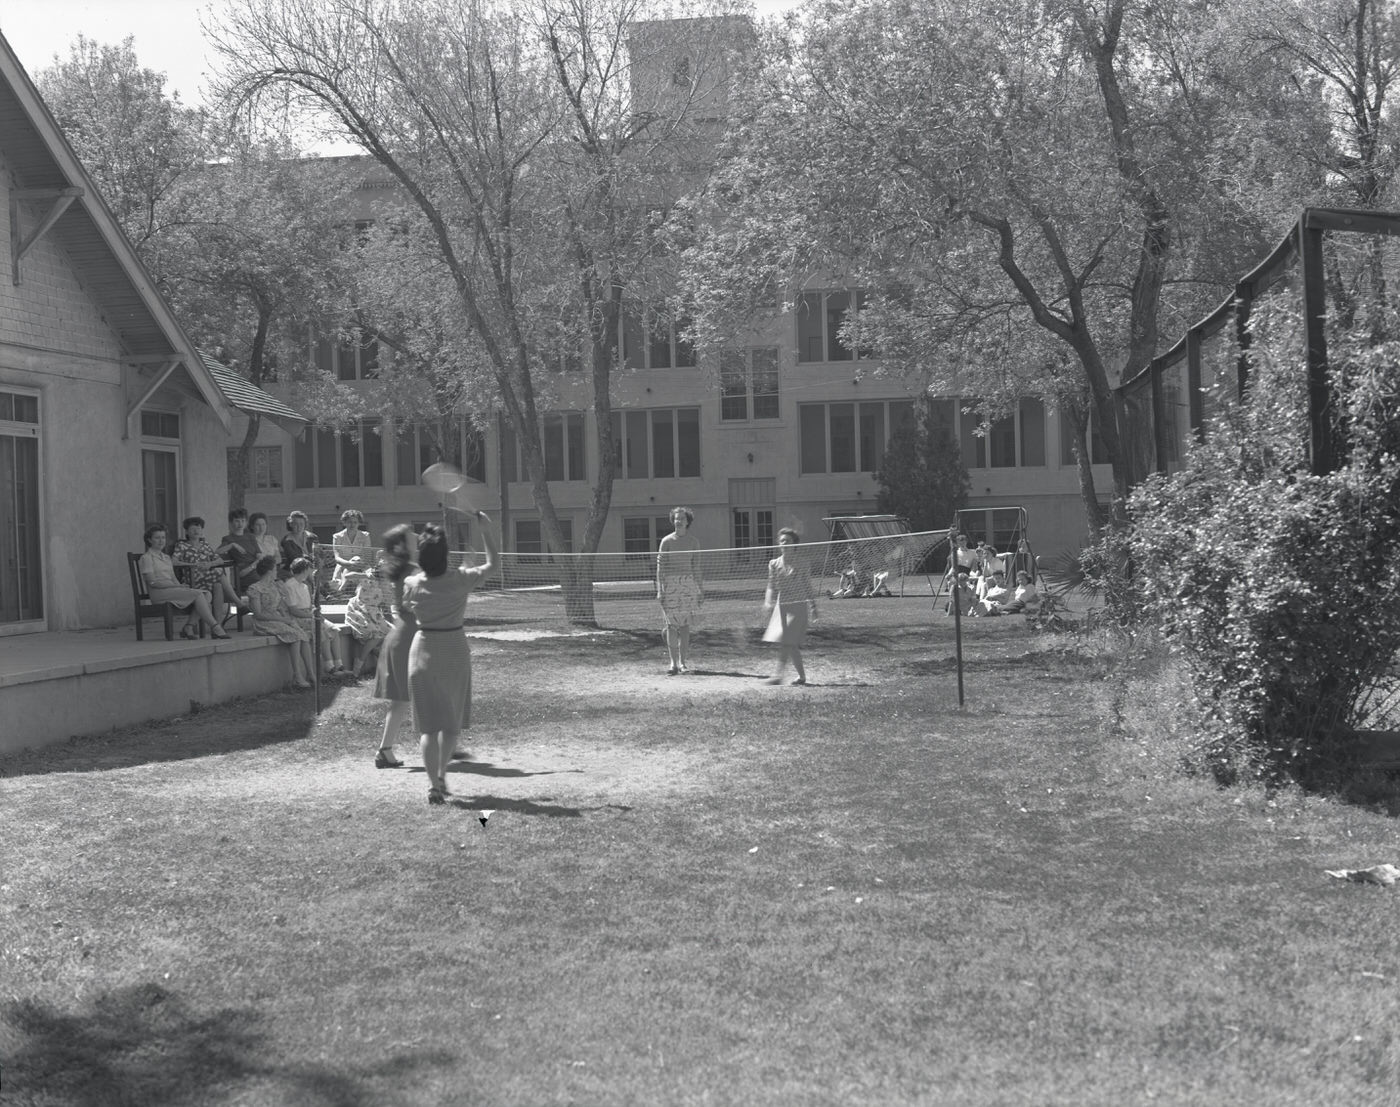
145 609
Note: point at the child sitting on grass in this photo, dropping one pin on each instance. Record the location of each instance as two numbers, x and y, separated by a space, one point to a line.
297 589
369 616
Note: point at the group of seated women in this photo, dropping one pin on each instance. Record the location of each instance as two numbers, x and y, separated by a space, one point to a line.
274 580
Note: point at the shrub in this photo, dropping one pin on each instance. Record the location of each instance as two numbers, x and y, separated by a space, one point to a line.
1281 588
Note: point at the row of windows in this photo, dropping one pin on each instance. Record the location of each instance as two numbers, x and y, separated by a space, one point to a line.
657 442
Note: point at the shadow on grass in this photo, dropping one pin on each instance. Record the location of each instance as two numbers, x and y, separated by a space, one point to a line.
487 768
523 806
256 722
143 1044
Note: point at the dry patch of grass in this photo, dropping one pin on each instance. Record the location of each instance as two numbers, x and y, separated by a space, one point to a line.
693 890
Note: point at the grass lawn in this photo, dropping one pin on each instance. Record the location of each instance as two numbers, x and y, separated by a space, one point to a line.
695 890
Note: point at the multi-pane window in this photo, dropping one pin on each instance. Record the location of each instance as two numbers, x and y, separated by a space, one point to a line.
456 439
848 437
1014 441
562 440
820 317
264 468
748 377
529 536
657 442
348 357
651 340
328 458
160 424
643 534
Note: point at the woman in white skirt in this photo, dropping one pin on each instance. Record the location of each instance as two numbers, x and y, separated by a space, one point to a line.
792 602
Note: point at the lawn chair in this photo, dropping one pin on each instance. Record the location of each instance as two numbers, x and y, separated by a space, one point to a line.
145 609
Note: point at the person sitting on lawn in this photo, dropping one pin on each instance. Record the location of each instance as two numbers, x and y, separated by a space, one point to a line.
962 595
369 615
270 616
297 591
1025 599
994 595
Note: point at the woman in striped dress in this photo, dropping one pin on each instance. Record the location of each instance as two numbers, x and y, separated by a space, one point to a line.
792 599
440 660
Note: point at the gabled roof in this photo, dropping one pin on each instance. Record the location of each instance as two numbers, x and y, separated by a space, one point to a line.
246 396
40 158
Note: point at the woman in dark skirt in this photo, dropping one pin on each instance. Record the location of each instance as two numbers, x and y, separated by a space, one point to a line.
440 659
391 675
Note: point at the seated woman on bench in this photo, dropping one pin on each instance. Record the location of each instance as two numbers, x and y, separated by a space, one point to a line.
158 571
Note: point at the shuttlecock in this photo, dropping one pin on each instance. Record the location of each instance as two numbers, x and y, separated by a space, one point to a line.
482 816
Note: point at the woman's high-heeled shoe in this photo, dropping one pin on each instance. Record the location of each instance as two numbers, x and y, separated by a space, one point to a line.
435 797
187 631
383 760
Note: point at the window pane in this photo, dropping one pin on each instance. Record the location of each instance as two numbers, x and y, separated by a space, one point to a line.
685 351
663 446
843 438
1032 431
616 418
637 452
688 441
633 345
836 305
553 447
809 328
345 360
733 386
349 461
941 414
510 454
1001 443
406 454
372 450
636 535
901 412
763 527
743 532
812 420
302 459
25 409
974 447
573 425
765 382
324 359
369 356
872 436
527 537
659 346
325 458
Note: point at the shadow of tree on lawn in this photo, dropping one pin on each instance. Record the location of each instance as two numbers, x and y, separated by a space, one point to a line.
143 1045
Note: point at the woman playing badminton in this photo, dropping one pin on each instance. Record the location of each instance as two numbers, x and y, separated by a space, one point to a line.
391 674
440 660
680 586
792 601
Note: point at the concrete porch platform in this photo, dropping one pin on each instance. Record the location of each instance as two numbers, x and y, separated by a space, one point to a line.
56 686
